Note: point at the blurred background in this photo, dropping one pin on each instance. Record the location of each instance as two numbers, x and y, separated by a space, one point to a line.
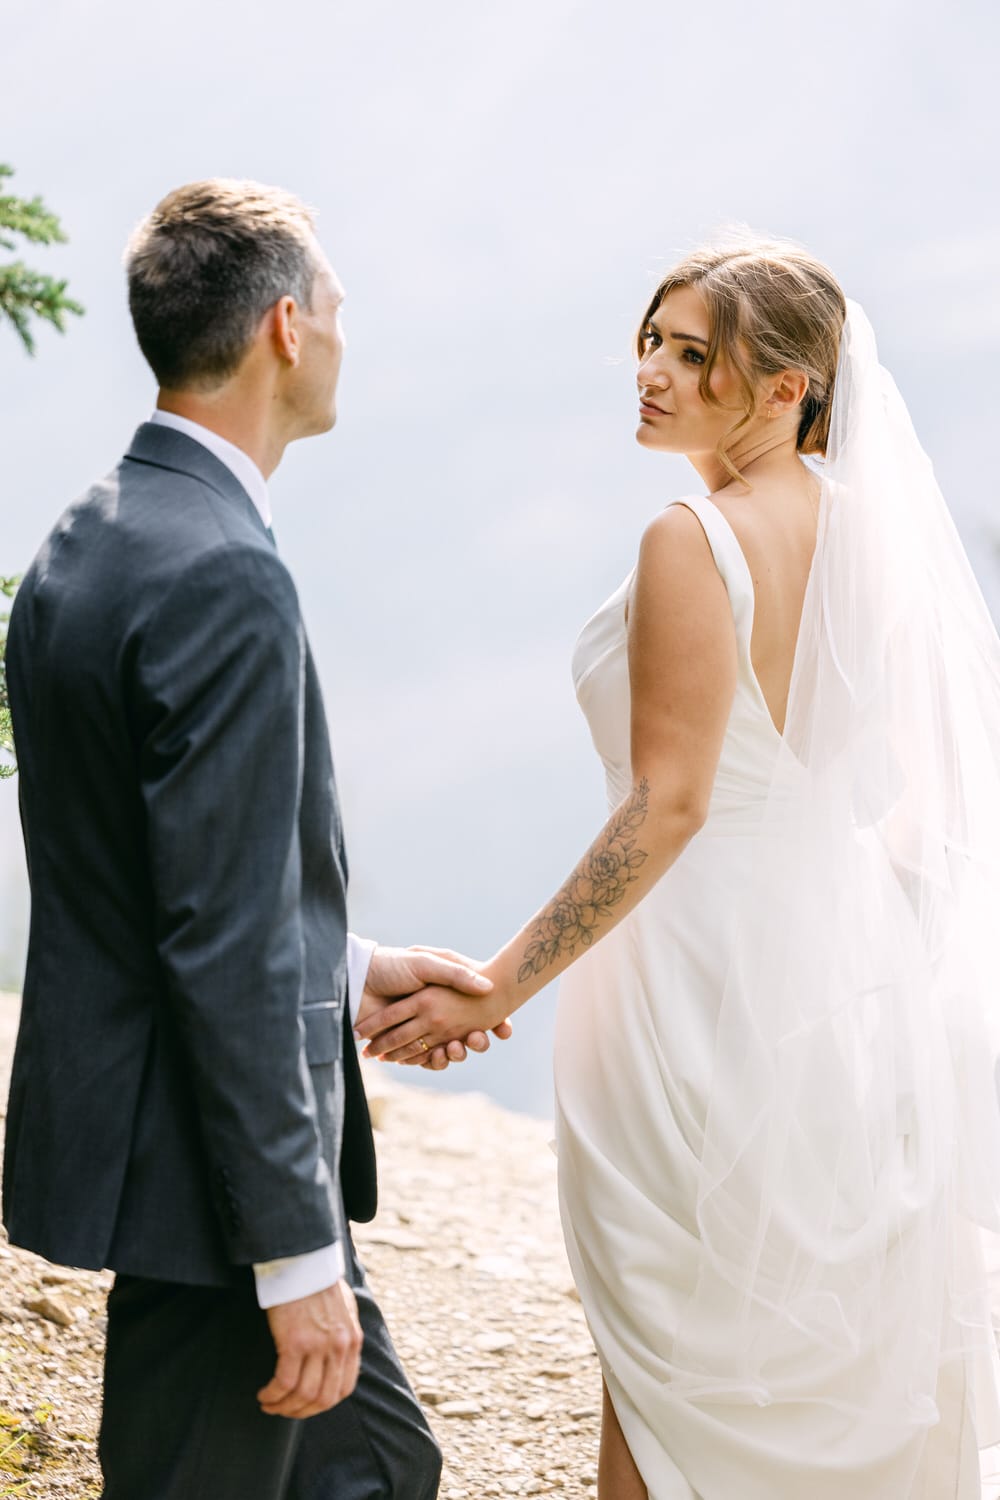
499 188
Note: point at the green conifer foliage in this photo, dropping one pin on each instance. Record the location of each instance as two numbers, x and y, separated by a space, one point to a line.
25 293
8 587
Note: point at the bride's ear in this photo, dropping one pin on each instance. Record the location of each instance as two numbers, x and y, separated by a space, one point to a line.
785 393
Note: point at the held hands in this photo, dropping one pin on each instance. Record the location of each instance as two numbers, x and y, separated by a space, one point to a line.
399 972
318 1340
436 1016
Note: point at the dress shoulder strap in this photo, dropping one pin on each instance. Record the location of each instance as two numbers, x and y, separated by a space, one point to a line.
729 559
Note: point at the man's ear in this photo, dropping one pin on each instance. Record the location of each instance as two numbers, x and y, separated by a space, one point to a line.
285 329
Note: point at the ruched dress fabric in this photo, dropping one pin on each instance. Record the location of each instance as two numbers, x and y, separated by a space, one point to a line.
636 1064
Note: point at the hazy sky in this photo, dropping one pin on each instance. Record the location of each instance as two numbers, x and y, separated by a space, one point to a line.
499 187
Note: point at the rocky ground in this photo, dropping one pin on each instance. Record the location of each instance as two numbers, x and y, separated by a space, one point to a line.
466 1259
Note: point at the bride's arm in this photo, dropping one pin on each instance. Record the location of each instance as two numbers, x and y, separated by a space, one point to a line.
682 671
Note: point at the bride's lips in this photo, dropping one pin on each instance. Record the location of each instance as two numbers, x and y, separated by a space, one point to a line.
647 409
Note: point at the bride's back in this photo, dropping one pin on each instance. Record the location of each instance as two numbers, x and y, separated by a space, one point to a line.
775 525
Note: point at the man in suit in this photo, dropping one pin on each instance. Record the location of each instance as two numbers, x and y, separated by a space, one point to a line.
186 1105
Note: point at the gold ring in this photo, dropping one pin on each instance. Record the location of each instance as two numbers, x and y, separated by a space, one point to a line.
423 1044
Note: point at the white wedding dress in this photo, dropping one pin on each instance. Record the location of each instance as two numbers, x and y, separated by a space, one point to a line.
637 1062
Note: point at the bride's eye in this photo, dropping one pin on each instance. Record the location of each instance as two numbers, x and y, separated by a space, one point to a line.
650 338
693 356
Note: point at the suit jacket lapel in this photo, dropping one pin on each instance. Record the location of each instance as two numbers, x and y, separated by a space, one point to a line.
166 448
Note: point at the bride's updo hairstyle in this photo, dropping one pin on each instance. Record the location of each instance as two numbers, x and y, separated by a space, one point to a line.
771 307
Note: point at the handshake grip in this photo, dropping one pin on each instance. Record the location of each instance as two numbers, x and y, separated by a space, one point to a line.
407 987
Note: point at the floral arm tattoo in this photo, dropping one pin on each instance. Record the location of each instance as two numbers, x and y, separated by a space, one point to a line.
596 886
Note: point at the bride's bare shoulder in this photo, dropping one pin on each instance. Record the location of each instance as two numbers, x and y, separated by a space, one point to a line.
674 537
676 557
677 520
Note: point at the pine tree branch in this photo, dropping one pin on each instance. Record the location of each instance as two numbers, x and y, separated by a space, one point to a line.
8 765
27 217
25 293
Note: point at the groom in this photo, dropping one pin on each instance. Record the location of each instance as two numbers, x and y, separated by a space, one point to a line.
186 1105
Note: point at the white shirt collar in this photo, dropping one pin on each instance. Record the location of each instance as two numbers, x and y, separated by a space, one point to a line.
239 464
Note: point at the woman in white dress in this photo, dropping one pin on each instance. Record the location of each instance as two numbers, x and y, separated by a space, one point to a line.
777 1122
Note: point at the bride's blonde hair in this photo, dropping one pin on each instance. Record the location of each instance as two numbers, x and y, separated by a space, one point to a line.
771 306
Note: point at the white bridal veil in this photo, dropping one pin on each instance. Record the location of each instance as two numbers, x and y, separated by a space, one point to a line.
861 1015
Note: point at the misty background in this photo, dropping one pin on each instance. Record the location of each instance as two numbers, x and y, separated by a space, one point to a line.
499 188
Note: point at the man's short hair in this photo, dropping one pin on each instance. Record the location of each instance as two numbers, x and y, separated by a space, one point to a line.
204 268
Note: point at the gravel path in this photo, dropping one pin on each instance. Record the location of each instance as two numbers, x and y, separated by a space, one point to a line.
466 1259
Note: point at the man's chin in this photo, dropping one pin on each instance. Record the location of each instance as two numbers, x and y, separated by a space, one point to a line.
317 425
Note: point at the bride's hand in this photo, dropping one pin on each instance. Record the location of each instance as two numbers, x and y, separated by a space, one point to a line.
505 1030
396 972
409 1029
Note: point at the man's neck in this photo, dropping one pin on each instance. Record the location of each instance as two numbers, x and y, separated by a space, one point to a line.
235 416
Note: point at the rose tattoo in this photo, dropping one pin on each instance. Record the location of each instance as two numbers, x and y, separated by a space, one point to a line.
595 887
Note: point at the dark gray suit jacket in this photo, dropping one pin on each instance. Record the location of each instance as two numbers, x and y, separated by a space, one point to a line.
184 1006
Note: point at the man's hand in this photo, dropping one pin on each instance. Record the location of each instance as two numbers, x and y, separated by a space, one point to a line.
397 972
318 1340
429 1018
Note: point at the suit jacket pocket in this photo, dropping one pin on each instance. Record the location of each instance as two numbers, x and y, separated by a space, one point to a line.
324 1030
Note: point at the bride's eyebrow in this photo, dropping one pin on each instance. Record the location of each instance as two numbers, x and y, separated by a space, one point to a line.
687 338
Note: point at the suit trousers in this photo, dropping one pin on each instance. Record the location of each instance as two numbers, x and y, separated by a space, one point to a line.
181 1420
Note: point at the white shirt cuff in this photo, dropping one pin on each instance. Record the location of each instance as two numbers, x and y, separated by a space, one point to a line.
359 958
298 1276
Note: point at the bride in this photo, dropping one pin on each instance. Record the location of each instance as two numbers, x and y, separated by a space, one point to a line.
777 1122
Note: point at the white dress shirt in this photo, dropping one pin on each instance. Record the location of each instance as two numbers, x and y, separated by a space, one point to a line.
236 461
293 1276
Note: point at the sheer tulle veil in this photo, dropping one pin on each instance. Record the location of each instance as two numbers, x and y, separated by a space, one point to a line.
860 1023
